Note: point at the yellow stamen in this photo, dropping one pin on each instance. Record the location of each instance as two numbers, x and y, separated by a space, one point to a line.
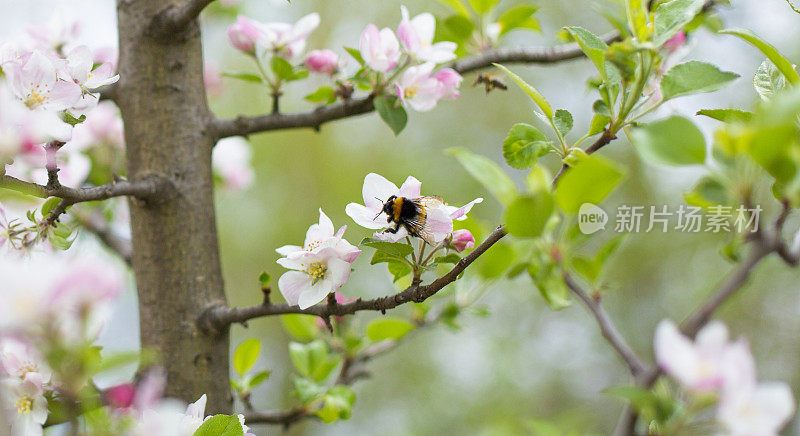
411 91
24 405
317 271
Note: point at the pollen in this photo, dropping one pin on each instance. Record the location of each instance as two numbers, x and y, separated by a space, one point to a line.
27 367
24 405
411 91
34 99
317 271
312 245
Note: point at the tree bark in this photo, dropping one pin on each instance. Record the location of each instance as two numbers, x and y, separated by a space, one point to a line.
175 250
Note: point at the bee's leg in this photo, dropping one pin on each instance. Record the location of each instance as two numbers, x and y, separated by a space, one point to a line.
394 230
411 231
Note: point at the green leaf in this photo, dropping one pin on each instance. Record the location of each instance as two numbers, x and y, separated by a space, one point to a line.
694 77
457 28
483 6
562 121
259 378
381 256
727 115
300 327
524 145
638 19
488 173
532 92
450 258
49 205
550 283
598 124
591 45
324 94
672 16
515 17
247 77
527 215
220 425
307 390
71 120
672 141
589 181
264 279
398 270
356 54
301 358
771 52
338 404
708 192
456 5
388 328
643 400
392 113
394 249
768 80
282 68
539 179
246 355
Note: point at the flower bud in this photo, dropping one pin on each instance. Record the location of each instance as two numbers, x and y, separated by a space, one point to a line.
462 240
675 42
450 81
243 34
322 61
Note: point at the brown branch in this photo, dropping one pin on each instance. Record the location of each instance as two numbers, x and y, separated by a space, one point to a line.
218 318
764 244
175 18
95 224
349 373
147 188
314 119
607 328
601 142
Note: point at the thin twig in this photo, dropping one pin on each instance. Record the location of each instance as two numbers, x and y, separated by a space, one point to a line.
609 331
601 142
314 119
218 318
145 189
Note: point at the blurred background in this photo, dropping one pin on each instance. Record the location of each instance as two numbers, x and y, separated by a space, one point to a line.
523 361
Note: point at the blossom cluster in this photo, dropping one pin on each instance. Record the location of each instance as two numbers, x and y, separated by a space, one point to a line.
322 264
713 364
404 62
50 303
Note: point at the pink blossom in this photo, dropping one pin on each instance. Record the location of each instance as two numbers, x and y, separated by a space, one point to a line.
377 190
244 33
107 55
60 30
462 240
314 276
380 49
80 63
419 89
24 404
21 130
231 162
417 33
288 40
103 125
696 365
120 396
34 81
450 81
18 358
320 236
322 61
675 42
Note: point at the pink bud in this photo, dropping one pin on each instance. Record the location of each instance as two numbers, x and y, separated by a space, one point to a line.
322 61
120 396
675 42
243 34
463 240
450 81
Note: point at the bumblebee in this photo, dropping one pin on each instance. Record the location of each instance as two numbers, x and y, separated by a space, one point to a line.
411 214
490 82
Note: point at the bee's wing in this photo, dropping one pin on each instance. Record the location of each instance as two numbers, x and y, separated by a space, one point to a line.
429 201
422 225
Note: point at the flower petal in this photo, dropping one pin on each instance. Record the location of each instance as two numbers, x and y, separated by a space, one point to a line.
370 218
461 213
411 188
292 284
287 250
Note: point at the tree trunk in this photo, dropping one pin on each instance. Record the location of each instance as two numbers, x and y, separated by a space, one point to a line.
175 249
